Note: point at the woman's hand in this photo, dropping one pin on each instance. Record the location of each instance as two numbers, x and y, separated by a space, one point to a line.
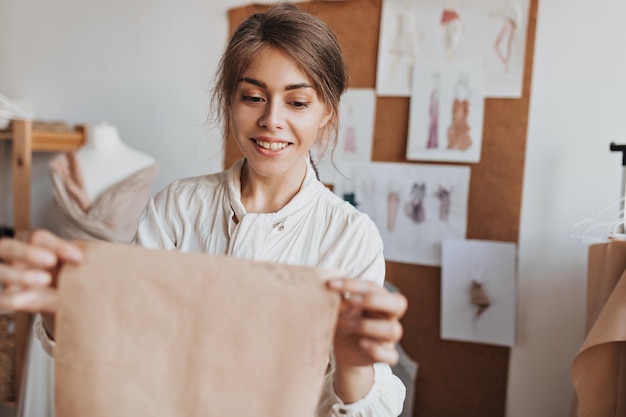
28 270
368 330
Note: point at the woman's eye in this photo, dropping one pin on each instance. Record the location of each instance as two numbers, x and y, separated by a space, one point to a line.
300 104
252 99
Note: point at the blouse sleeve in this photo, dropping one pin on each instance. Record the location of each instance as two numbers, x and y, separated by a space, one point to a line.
359 253
47 343
385 398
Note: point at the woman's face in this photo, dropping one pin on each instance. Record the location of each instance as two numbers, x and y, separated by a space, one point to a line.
276 115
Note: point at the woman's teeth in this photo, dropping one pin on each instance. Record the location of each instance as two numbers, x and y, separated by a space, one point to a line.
273 146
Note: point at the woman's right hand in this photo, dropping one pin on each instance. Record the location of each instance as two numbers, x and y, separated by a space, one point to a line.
28 270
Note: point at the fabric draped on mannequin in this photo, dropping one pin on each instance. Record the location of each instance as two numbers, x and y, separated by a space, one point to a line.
113 214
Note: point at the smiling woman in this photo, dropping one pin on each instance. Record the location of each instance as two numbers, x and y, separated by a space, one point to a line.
277 92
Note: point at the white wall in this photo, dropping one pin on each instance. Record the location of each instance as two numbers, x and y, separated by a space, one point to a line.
145 66
577 109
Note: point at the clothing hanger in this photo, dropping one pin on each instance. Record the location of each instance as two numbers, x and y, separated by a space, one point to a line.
605 225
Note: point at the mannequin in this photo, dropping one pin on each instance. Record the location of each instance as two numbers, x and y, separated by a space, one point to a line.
100 189
105 159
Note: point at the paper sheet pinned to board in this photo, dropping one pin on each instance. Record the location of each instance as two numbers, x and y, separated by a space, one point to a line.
144 332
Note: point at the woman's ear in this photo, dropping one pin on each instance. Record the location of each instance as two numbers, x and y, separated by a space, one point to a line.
326 119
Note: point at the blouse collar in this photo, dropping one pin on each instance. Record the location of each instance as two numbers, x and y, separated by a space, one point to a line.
308 191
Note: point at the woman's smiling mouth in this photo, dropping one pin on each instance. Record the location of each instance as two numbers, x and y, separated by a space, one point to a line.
271 146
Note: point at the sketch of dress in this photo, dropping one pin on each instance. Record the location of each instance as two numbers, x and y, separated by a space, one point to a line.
479 297
349 144
443 194
451 30
367 198
415 205
459 130
511 15
433 115
393 202
405 43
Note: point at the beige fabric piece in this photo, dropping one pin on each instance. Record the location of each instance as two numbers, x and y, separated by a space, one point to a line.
145 332
112 216
599 369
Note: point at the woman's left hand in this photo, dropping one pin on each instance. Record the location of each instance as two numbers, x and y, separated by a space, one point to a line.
368 327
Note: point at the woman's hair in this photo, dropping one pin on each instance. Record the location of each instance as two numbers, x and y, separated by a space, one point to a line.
302 36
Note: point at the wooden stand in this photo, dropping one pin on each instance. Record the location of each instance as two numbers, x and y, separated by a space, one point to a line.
27 140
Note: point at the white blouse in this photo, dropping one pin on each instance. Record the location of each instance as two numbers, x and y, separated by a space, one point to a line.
316 228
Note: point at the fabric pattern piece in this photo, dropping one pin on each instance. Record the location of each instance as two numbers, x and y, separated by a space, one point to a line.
144 332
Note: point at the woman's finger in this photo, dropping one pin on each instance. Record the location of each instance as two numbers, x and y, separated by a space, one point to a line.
65 250
380 352
384 304
377 329
375 300
13 251
39 249
11 275
43 299
349 285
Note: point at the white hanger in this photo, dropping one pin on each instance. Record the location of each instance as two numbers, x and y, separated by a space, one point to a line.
607 224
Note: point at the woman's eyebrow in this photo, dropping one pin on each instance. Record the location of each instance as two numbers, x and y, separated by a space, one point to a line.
261 84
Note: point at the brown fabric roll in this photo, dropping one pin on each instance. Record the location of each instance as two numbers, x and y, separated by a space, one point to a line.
599 368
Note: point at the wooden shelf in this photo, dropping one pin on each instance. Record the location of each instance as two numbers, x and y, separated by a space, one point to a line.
52 141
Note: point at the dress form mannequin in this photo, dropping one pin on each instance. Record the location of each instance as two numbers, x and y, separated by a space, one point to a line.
101 189
106 160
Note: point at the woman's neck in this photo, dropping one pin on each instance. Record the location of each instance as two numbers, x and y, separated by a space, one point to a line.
269 194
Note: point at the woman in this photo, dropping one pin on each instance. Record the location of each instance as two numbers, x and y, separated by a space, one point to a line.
277 91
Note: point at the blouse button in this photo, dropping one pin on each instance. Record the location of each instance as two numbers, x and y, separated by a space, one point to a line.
281 227
342 411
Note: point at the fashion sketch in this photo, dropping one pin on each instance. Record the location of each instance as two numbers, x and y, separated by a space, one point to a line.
393 203
451 31
492 32
433 113
443 194
406 41
479 297
349 139
401 200
459 130
400 43
446 113
415 206
478 291
511 16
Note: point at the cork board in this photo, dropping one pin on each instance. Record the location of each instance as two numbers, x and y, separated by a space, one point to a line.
455 378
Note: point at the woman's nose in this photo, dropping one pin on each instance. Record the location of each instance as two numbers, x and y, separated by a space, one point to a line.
273 116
